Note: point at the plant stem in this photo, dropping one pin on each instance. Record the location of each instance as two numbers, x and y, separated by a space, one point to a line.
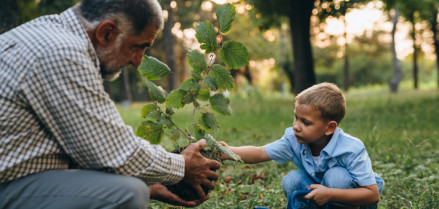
173 123
192 121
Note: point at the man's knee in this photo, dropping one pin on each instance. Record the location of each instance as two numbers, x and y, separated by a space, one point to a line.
338 177
134 193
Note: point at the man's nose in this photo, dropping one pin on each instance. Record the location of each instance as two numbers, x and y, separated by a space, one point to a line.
137 59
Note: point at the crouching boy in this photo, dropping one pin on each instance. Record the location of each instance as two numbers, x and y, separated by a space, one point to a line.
334 164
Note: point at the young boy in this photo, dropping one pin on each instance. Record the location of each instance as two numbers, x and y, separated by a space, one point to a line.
332 163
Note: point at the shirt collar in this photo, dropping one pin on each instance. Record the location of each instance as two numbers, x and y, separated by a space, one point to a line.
329 148
72 21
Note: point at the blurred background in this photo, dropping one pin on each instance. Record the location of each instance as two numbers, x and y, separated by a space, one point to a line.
357 44
382 53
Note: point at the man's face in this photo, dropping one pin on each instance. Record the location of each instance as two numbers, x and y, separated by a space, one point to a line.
308 126
125 50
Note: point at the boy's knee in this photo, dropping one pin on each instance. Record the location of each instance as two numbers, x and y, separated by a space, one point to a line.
295 180
338 177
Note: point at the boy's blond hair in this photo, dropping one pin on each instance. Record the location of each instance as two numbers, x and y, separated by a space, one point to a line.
325 97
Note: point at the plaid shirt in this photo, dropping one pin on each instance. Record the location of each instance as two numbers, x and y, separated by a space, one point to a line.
55 114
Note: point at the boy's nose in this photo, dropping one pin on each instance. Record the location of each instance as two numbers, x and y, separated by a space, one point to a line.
295 127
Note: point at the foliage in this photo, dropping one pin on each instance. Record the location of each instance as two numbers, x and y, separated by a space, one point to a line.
399 131
205 76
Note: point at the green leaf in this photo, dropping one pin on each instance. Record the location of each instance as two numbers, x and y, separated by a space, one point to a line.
156 92
153 115
175 98
169 111
220 104
206 36
225 15
151 131
196 104
196 75
175 135
196 61
152 69
212 142
147 109
166 121
222 77
199 132
189 84
211 83
234 54
208 121
188 98
203 95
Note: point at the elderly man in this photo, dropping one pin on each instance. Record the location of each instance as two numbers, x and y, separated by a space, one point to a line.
63 143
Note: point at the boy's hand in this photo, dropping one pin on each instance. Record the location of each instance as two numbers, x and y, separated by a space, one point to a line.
224 156
320 194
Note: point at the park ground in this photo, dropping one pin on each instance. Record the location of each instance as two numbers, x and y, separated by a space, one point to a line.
400 131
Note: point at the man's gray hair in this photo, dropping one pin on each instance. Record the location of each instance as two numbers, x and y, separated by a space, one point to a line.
139 13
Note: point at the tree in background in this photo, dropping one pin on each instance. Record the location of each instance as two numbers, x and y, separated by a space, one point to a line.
298 13
339 9
433 7
397 76
414 11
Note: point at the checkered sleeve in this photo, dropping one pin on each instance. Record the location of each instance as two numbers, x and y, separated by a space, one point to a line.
65 91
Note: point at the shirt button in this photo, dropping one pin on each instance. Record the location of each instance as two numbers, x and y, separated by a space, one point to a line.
313 174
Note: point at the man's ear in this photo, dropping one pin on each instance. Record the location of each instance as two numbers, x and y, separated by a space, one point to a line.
332 125
106 32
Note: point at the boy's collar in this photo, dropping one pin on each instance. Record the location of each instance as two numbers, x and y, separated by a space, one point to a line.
329 148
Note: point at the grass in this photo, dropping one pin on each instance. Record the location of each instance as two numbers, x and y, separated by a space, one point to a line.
401 134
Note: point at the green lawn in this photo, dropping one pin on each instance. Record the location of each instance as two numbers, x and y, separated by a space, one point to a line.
400 133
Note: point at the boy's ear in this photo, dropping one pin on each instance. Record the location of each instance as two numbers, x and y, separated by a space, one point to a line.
106 32
332 125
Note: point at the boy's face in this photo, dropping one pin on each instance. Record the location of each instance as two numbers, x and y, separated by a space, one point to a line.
310 128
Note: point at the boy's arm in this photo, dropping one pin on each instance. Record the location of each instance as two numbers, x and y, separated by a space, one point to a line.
249 154
362 196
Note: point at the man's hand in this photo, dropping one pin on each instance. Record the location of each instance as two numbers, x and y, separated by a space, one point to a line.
198 169
320 194
161 193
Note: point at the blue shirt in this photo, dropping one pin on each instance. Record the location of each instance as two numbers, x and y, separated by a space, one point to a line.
342 150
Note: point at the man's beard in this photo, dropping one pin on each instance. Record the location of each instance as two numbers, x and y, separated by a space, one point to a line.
108 59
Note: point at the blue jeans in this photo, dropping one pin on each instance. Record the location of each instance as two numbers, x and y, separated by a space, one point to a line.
73 189
336 177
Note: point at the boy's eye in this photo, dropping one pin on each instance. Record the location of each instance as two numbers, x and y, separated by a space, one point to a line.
306 123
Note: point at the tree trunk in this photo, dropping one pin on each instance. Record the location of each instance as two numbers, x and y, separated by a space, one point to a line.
434 26
169 48
396 63
300 18
248 75
415 55
346 58
9 15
